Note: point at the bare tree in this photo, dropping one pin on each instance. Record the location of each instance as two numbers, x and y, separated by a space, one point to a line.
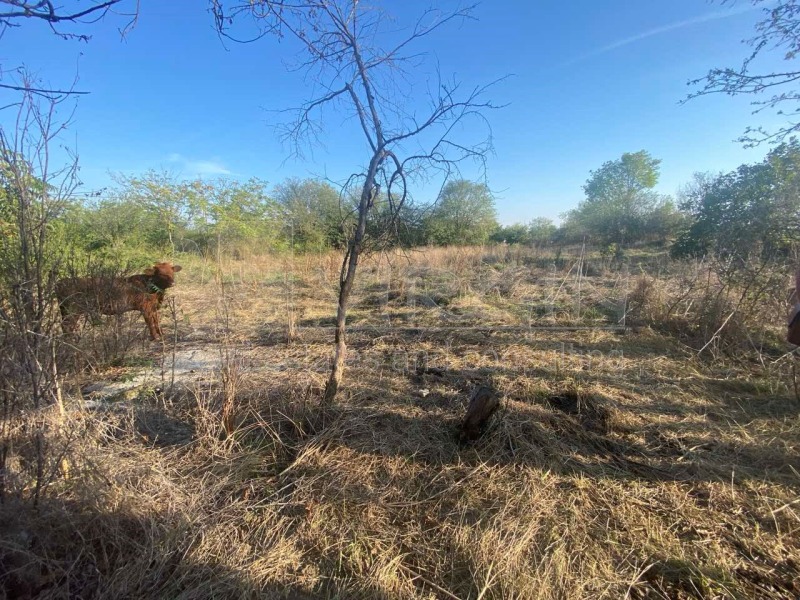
33 195
362 65
777 32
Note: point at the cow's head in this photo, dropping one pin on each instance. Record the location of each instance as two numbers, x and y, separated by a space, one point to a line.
162 275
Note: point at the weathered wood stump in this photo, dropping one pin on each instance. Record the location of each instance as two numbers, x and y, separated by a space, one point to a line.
482 405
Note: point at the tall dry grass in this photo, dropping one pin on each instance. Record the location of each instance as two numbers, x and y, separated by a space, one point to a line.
619 465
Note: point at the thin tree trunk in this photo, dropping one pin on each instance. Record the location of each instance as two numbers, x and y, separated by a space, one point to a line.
340 348
349 267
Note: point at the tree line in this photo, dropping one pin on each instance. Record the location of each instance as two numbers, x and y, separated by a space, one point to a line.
156 211
751 212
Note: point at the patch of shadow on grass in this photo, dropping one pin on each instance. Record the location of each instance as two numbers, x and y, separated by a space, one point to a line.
568 431
160 429
587 409
674 578
78 550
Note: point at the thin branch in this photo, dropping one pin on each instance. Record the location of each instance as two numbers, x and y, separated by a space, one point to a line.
41 91
778 31
361 117
47 12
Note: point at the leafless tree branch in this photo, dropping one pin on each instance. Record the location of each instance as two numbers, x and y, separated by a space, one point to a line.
14 11
343 42
41 91
778 31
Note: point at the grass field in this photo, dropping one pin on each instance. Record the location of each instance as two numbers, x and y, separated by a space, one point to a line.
621 464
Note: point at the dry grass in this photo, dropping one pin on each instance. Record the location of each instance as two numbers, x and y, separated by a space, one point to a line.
619 465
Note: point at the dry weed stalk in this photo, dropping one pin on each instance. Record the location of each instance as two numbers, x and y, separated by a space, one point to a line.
229 370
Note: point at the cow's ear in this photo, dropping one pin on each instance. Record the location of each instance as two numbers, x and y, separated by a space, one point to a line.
177 268
150 272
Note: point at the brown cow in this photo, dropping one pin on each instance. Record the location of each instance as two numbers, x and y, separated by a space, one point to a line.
793 336
115 295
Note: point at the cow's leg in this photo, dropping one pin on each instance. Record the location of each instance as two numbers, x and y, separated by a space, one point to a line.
150 314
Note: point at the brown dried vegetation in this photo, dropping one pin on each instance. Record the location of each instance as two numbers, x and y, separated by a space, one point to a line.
623 464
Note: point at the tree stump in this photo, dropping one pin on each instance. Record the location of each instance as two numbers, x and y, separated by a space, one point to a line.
482 405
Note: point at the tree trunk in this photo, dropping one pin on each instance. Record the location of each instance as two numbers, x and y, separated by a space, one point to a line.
349 266
340 350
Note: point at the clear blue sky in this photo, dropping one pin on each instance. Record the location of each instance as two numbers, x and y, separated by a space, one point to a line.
591 80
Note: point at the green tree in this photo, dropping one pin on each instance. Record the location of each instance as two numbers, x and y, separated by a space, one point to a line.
311 213
517 233
663 223
541 231
464 214
620 200
245 212
116 227
388 227
162 196
752 212
690 195
228 214
154 212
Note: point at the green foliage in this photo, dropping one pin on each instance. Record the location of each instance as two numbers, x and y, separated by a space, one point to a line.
31 231
541 231
162 199
8 201
613 252
750 213
311 214
571 231
621 206
511 234
227 214
464 214
155 213
113 226
538 232
406 227
663 223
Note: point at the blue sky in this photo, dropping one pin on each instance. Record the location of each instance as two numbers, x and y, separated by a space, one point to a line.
590 80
